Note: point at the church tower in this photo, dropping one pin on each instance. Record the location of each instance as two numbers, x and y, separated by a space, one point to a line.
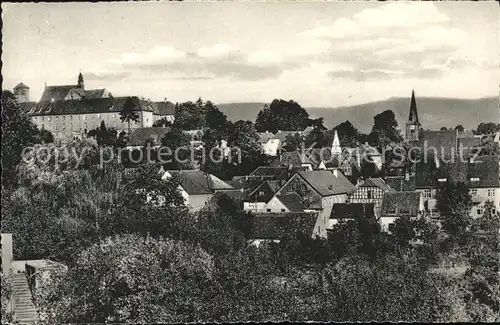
413 125
80 81
336 149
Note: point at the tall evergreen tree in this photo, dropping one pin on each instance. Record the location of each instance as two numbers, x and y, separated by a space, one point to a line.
129 112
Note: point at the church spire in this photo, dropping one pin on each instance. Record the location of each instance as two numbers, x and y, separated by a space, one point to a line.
413 118
336 149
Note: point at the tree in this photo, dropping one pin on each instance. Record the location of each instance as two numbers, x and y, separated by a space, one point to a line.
385 130
132 279
487 128
189 115
285 116
103 135
444 128
18 133
454 203
6 298
215 119
179 144
349 136
460 128
293 142
46 136
129 111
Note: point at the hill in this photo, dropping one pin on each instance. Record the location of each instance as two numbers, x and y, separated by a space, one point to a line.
434 112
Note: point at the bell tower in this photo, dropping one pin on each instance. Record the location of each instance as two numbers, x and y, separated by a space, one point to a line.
413 126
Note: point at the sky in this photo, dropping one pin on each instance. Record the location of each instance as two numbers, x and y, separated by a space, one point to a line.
318 54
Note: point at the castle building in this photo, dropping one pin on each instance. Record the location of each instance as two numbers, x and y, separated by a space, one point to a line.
71 111
413 126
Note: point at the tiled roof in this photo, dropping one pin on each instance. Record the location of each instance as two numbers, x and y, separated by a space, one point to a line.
87 106
56 92
139 136
326 183
196 182
277 225
399 183
376 182
163 108
443 141
484 168
352 211
399 202
292 201
94 93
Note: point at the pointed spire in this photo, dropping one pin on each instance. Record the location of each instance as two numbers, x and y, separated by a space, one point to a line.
413 118
336 149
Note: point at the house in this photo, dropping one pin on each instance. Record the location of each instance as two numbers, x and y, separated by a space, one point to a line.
399 204
197 187
295 159
481 175
442 144
288 202
319 190
350 211
371 190
163 110
257 199
272 143
273 227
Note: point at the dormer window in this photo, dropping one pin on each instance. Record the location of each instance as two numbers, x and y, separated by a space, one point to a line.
441 180
474 179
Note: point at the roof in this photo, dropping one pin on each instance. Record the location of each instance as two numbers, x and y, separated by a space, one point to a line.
352 211
281 135
400 183
276 172
196 182
163 108
442 141
268 187
45 264
399 201
26 107
413 117
21 86
327 182
484 168
56 92
139 136
87 106
292 201
376 182
469 143
277 225
94 93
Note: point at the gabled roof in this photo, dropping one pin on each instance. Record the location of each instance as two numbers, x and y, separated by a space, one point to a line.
484 168
267 187
376 182
196 182
278 225
327 182
87 106
163 108
399 202
352 211
443 141
56 92
94 93
292 201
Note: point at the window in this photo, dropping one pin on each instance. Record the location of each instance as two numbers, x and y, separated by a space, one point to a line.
441 180
261 193
369 194
48 118
474 179
391 210
268 210
427 194
303 187
479 211
282 210
473 192
391 227
435 210
491 192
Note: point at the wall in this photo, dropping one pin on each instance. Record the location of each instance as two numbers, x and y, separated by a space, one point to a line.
274 205
7 256
360 195
197 202
254 206
304 190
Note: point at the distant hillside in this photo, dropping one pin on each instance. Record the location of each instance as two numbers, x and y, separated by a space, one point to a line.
433 112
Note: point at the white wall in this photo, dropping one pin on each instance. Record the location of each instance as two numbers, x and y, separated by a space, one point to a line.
275 206
254 206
